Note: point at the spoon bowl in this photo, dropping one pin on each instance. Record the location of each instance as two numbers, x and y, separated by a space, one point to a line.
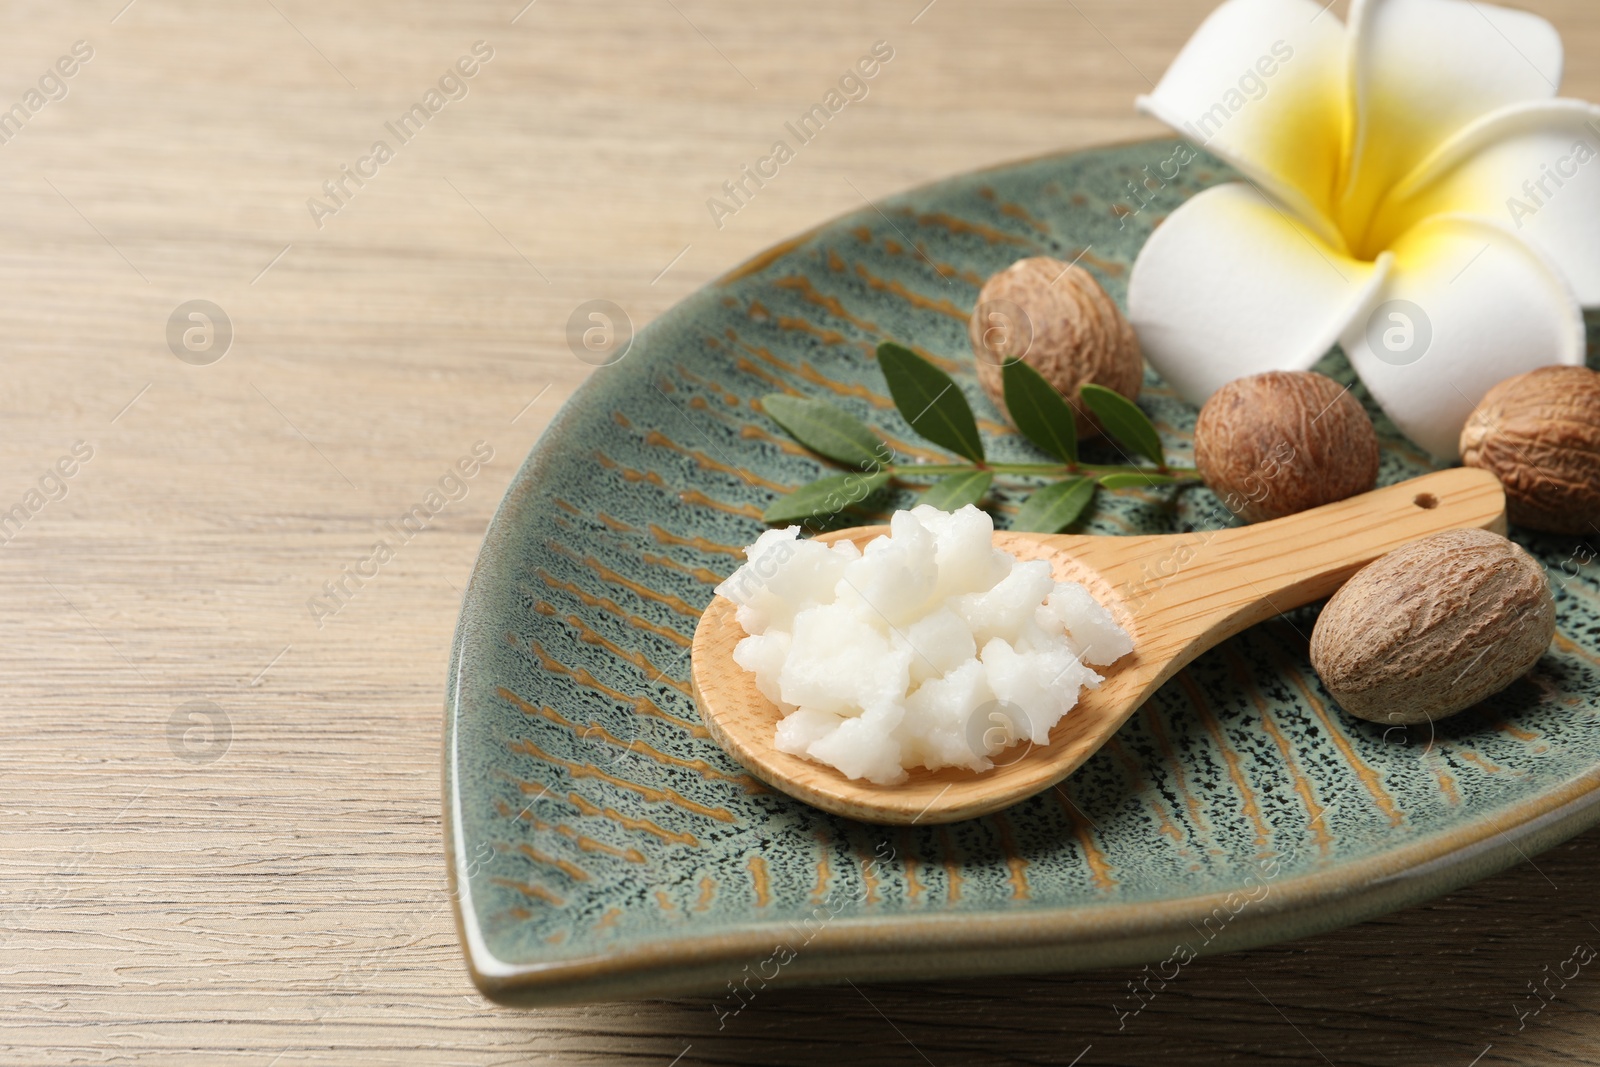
1178 595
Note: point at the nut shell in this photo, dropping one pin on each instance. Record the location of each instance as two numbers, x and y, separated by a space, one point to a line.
1434 627
1540 434
1057 319
1278 443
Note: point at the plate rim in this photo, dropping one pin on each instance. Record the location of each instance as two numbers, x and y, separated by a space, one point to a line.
1104 934
1112 933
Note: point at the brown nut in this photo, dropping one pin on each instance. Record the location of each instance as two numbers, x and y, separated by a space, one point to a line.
1540 434
1276 443
1434 627
1055 317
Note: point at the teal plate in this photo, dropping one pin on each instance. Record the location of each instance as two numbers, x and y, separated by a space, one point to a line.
601 846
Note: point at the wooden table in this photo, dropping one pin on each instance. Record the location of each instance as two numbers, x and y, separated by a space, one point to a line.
221 811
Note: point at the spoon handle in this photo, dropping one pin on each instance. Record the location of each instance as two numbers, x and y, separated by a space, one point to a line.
1197 590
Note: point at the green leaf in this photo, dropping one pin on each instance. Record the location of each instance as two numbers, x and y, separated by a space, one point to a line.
826 430
1041 414
930 401
1055 507
1125 422
1136 481
825 496
958 490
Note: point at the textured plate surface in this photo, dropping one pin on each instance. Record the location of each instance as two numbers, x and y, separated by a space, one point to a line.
601 846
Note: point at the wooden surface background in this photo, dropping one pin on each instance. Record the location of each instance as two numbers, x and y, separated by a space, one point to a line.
221 819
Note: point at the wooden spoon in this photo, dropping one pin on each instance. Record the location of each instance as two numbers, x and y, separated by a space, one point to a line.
1177 594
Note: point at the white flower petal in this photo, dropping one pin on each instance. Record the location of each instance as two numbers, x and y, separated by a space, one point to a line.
1466 306
1420 71
1534 167
1229 285
1261 84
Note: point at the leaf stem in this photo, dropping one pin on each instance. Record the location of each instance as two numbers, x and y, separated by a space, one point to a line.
1043 470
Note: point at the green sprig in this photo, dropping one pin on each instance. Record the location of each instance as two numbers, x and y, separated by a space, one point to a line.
935 407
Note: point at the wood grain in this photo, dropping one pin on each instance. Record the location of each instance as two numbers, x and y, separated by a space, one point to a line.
284 902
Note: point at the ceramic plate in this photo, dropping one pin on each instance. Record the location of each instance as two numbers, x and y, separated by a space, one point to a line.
601 846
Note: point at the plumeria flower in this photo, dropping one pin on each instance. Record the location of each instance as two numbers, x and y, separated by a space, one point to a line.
1413 190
